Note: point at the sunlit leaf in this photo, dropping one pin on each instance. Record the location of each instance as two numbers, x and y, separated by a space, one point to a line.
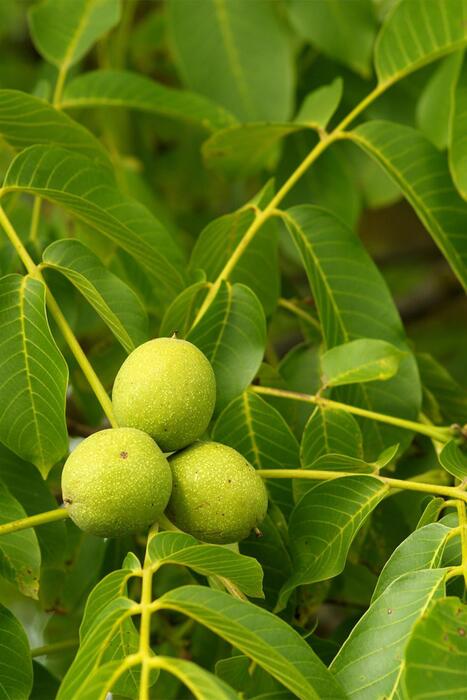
363 360
33 376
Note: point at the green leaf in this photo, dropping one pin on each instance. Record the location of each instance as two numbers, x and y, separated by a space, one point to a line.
431 512
417 32
101 680
28 487
109 588
16 665
435 655
89 656
323 525
202 684
208 560
20 555
33 376
258 267
217 44
232 335
116 303
333 28
88 193
436 101
354 302
181 313
343 463
319 106
248 148
458 141
371 660
63 32
112 88
262 436
454 459
423 176
448 394
262 636
26 121
363 360
422 549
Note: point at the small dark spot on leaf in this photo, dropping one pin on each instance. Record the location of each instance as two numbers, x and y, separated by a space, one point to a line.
124 455
446 638
389 611
461 632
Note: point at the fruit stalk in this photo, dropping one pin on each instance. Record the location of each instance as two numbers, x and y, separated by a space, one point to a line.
49 516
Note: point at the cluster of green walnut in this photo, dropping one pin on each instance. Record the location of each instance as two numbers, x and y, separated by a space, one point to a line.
119 481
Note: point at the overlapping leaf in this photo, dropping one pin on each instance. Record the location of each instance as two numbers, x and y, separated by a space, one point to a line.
16 666
453 458
111 88
353 302
436 102
323 525
33 376
319 106
118 306
458 135
423 176
88 192
262 636
367 669
417 32
232 335
363 360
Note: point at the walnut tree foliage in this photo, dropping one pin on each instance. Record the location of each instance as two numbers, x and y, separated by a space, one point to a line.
283 183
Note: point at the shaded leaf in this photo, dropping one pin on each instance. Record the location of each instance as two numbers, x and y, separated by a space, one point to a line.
262 636
262 436
417 32
323 525
109 588
111 88
202 684
449 395
116 303
16 665
33 376
88 192
181 313
217 45
367 669
319 106
208 559
63 32
232 335
363 360
436 101
454 459
458 140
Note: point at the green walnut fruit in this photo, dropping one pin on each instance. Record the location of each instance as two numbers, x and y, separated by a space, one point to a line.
167 388
217 496
116 482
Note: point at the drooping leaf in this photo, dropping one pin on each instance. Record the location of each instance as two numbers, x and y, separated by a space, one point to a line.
208 559
111 88
435 655
454 459
436 101
116 303
367 669
217 44
353 302
258 267
417 32
20 555
261 435
319 106
232 335
333 28
422 549
262 636
423 176
323 525
33 376
88 192
458 140
16 666
26 120
63 32
363 360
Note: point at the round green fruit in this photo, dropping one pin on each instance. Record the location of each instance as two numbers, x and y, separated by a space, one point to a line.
217 496
167 388
116 482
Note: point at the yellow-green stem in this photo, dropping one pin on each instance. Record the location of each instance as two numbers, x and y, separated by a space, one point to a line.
60 320
146 612
55 648
449 491
461 512
442 434
301 313
50 516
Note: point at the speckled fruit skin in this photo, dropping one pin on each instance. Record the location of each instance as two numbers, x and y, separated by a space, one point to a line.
167 388
116 482
217 496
